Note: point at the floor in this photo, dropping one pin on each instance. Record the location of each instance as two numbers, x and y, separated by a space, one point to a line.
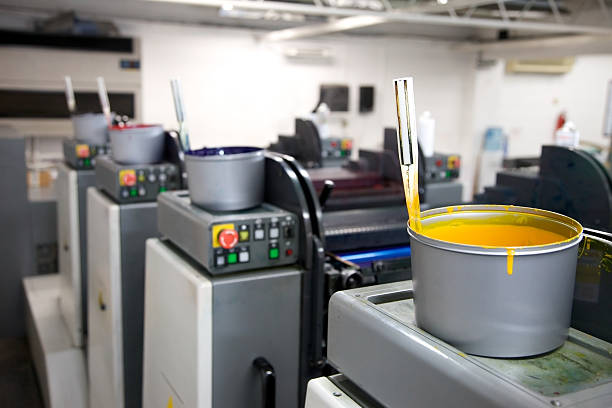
18 384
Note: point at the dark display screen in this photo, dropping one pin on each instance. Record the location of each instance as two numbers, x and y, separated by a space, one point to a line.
52 104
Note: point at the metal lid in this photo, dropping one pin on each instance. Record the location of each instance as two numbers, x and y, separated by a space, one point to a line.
224 153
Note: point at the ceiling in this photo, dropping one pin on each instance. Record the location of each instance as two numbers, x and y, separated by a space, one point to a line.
455 20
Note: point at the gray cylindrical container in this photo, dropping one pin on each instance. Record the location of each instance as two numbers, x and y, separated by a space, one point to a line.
464 295
138 144
90 128
226 178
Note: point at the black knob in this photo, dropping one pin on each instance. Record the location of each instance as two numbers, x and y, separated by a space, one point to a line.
326 192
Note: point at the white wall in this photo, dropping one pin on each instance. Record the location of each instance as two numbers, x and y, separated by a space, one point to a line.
240 91
526 106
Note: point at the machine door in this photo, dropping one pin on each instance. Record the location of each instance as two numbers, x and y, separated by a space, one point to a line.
104 352
69 252
177 366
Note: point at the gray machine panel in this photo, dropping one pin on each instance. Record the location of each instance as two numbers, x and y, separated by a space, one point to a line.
85 179
193 230
138 222
442 167
82 156
135 183
404 364
441 194
16 239
256 314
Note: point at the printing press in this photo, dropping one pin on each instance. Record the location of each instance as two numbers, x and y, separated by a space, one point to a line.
407 365
292 246
494 316
121 216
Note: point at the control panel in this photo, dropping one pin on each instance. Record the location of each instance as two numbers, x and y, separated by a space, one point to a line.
82 156
136 183
442 167
263 241
335 150
225 242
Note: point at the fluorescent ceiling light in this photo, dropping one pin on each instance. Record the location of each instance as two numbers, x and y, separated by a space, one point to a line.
227 7
344 24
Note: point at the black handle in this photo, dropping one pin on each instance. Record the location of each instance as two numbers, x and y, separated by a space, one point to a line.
268 382
325 193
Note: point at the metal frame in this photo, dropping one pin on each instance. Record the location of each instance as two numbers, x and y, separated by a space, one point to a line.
423 13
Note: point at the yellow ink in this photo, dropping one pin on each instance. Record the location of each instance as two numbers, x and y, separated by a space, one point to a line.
410 177
510 260
507 229
491 234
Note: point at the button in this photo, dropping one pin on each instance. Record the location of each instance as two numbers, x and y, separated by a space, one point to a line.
162 177
289 252
152 177
141 177
439 163
82 151
142 192
228 238
133 192
273 253
259 234
243 257
127 178
274 233
220 260
162 189
232 258
288 231
87 162
243 236
125 193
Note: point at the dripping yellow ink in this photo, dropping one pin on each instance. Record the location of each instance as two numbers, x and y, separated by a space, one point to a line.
510 261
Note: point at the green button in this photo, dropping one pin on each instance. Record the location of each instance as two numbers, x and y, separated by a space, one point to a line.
273 253
448 174
162 189
87 162
232 258
133 192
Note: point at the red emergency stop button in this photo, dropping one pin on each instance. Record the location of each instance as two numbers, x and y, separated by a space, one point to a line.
129 179
82 151
228 238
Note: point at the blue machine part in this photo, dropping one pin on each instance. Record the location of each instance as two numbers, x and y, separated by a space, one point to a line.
367 257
